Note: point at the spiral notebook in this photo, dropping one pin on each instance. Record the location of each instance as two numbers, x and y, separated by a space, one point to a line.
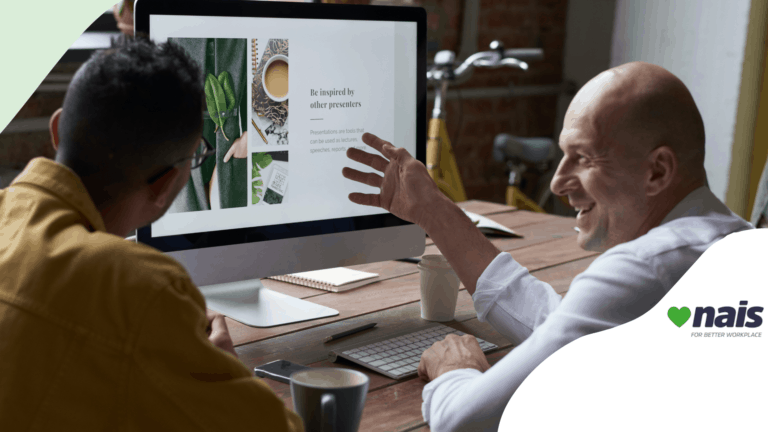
490 227
335 279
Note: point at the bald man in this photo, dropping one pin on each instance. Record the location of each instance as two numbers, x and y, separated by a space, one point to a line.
633 165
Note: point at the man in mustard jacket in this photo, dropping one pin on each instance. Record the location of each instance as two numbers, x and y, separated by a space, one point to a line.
96 332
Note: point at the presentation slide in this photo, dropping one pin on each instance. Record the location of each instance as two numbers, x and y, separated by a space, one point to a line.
284 100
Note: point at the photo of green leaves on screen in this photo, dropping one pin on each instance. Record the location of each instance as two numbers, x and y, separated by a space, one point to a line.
269 177
222 181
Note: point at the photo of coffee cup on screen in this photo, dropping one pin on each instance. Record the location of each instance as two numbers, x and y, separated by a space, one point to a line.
269 93
275 78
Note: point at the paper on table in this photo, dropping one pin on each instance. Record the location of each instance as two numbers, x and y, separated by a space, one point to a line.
488 226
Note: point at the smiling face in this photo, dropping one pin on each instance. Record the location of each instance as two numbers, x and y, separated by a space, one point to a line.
602 171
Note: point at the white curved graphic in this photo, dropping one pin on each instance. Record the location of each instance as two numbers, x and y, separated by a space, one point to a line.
650 373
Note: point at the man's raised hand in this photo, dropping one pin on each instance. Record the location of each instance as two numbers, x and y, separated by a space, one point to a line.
406 188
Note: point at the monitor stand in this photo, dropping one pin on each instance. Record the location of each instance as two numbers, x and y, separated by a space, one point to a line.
251 304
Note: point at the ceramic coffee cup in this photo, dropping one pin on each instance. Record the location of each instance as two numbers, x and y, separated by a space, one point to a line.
329 399
274 78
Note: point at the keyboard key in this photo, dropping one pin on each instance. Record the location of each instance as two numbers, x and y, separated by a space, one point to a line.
377 363
366 359
386 367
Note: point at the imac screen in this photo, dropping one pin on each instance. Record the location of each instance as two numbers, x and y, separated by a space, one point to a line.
284 99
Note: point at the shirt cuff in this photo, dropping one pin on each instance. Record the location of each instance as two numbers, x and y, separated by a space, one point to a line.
429 389
494 281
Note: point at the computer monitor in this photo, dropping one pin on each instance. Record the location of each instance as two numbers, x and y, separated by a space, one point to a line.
289 87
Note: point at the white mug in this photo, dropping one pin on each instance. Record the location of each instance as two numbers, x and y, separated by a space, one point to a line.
439 288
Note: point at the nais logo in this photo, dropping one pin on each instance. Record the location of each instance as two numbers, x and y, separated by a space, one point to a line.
724 317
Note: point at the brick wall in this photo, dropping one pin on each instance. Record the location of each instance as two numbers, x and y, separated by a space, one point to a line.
472 124
518 24
18 148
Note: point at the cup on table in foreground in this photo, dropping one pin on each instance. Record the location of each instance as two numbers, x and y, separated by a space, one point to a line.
329 399
439 288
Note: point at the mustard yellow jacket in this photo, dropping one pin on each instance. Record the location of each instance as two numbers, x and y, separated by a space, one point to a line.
98 333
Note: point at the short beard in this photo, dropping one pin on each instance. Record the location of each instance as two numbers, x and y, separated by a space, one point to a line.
598 241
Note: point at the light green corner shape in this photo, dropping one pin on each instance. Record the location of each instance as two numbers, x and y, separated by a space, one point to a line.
33 37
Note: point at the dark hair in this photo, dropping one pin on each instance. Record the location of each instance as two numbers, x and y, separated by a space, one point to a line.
130 110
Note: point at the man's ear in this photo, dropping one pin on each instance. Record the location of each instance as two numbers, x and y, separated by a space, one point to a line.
662 169
163 188
53 128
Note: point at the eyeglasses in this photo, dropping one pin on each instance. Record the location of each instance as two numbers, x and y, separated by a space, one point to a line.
201 154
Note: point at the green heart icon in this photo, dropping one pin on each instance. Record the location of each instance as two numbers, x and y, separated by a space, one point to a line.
679 316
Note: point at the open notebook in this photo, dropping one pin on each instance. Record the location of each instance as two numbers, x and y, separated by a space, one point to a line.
335 279
488 226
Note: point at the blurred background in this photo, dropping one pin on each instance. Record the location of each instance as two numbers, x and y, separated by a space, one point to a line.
716 47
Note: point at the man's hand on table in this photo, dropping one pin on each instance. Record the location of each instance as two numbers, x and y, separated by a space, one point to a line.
452 353
218 333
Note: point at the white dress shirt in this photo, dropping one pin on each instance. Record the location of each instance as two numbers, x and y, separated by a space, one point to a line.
619 286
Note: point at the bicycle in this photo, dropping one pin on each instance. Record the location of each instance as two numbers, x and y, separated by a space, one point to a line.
441 162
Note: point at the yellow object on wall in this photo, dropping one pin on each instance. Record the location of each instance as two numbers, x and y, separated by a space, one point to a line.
441 162
760 146
739 178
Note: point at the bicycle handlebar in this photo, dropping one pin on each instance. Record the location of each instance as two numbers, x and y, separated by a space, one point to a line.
529 54
515 57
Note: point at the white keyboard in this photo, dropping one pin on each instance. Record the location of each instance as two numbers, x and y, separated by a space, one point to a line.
399 357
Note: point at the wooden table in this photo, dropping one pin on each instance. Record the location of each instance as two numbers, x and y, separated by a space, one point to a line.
548 249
